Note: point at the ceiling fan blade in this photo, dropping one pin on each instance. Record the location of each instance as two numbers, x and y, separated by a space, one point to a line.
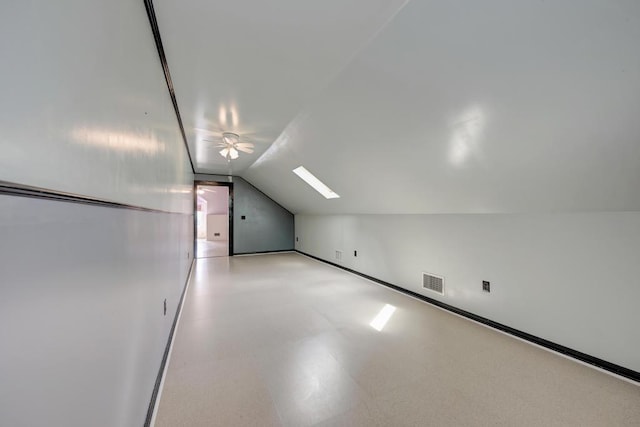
245 149
244 145
256 137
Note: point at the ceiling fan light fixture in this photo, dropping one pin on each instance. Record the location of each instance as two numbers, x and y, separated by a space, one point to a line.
231 146
230 138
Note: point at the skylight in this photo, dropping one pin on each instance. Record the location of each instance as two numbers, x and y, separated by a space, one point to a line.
317 185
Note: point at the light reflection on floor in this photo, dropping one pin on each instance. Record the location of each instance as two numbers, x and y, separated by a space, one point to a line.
211 248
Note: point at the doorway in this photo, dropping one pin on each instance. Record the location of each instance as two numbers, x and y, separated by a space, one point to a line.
213 219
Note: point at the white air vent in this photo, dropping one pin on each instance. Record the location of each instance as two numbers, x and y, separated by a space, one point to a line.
433 283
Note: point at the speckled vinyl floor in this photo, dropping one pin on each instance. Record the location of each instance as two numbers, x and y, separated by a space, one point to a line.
281 339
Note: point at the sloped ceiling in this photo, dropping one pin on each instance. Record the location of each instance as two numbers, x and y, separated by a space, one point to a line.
427 107
250 66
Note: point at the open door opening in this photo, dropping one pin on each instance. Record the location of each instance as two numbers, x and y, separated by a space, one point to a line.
213 221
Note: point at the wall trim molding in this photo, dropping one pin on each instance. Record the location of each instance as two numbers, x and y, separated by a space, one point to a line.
13 189
566 351
265 252
151 14
165 357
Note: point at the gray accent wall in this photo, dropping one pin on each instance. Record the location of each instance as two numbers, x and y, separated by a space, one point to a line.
267 225
572 279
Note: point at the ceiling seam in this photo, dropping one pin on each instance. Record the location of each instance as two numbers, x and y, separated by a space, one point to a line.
333 76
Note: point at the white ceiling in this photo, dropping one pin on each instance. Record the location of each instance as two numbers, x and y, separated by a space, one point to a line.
249 66
434 107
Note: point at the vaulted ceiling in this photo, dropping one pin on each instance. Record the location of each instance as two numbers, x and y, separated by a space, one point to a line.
415 107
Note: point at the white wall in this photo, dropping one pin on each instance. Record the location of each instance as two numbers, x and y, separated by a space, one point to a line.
217 200
218 224
573 279
85 110
81 309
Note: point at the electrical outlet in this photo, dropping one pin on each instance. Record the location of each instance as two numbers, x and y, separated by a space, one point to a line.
486 286
165 306
296 238
338 255
355 253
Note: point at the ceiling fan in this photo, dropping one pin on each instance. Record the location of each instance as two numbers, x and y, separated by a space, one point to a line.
231 146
